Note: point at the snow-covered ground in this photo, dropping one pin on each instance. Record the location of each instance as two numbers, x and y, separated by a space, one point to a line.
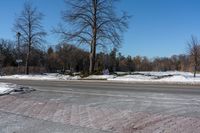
100 77
167 77
154 77
7 88
47 76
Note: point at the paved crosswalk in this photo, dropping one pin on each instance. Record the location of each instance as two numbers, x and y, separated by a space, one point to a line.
101 118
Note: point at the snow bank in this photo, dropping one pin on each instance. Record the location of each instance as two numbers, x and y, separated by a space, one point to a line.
7 88
181 79
165 73
131 78
160 77
154 77
47 76
99 77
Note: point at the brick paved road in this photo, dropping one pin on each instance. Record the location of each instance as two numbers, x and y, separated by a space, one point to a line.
99 112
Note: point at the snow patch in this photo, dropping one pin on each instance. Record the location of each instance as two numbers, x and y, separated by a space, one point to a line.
7 88
47 76
154 77
159 77
100 77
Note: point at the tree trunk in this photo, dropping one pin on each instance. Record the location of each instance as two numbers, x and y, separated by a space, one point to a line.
195 70
195 63
94 38
27 60
91 68
92 57
27 64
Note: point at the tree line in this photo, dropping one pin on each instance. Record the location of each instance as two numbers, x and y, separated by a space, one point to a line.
69 58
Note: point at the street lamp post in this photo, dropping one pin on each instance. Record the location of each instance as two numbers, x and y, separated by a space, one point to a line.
18 43
18 49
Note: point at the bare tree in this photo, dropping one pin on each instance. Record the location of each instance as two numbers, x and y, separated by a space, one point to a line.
194 52
93 22
28 24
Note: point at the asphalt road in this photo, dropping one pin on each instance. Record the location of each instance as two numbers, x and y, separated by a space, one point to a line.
88 85
99 107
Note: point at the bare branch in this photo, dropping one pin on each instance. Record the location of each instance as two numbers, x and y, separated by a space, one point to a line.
28 24
93 22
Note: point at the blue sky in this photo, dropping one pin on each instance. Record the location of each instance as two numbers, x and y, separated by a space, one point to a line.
157 27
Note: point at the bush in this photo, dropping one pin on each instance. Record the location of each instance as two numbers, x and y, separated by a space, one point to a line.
84 74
